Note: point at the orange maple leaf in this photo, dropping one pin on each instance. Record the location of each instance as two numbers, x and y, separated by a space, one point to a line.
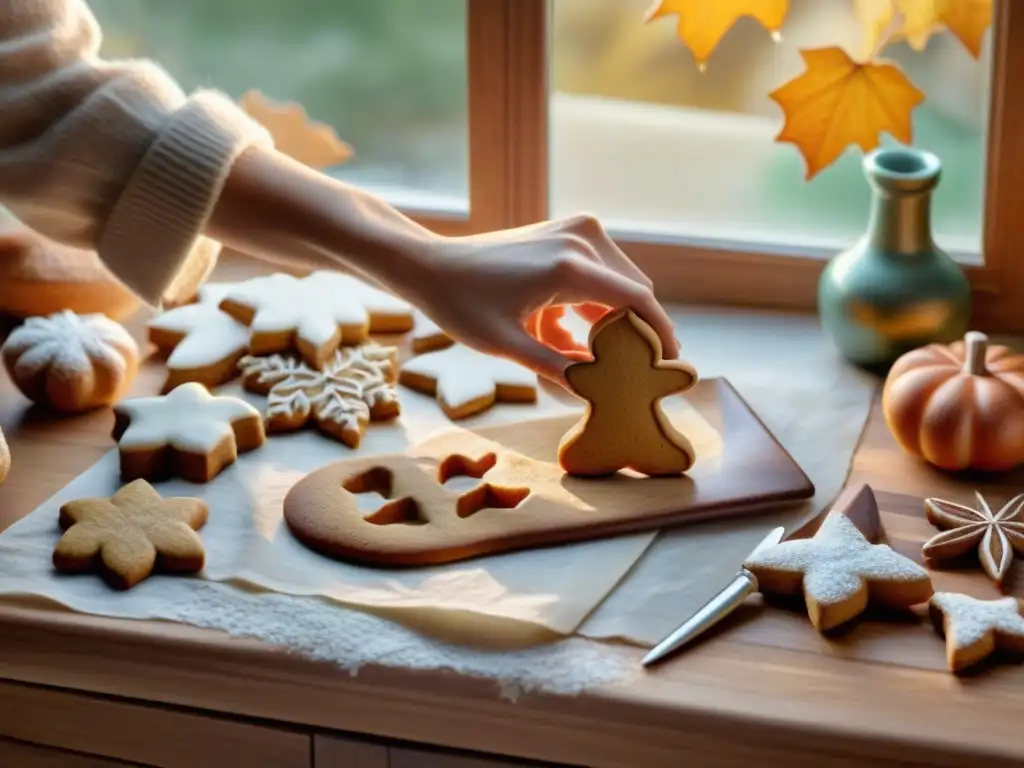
313 143
703 23
917 20
837 102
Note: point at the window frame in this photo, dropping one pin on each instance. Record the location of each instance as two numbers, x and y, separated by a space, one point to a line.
508 50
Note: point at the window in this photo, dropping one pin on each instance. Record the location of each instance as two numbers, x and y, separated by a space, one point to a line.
654 146
390 76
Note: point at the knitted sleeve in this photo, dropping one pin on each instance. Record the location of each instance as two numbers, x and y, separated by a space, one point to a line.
109 155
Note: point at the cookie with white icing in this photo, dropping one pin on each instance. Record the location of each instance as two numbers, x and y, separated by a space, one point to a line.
354 388
975 629
466 382
187 433
427 336
839 572
202 342
314 315
71 363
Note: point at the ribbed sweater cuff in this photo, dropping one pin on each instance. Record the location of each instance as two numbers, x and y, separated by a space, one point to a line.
162 212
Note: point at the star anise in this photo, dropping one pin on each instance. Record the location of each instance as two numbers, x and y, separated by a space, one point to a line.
995 536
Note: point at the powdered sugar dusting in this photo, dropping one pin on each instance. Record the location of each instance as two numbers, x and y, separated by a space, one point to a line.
837 561
70 342
971 619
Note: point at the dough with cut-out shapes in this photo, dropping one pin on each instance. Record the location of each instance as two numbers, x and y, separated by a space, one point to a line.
131 534
466 382
202 342
187 433
314 315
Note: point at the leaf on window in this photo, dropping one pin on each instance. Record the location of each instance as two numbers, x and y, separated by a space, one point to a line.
703 23
916 21
313 143
838 102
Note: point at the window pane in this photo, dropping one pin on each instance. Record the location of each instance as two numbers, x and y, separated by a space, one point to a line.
388 75
646 141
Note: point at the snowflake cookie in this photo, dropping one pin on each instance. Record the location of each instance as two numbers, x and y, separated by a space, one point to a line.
315 314
839 571
187 432
974 629
354 387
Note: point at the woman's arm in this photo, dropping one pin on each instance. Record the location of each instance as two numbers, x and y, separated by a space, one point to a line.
105 155
113 156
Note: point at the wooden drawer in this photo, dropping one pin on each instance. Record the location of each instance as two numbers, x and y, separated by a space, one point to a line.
137 733
18 754
404 757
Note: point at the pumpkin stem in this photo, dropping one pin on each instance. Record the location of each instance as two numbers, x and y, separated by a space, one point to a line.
974 357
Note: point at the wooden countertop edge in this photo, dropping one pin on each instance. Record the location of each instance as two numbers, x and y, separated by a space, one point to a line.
640 724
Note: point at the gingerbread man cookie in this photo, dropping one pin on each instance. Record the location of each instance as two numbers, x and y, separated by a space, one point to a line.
187 432
975 629
839 571
315 314
130 534
623 426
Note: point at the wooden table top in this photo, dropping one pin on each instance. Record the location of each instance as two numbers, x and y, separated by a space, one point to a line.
764 690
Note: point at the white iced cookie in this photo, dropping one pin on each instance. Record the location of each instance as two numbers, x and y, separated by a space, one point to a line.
202 342
355 387
974 629
71 363
314 314
187 433
427 336
839 572
467 382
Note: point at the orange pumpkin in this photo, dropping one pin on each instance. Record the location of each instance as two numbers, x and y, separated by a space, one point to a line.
959 406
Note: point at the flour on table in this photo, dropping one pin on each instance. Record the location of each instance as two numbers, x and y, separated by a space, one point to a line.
187 419
315 313
466 381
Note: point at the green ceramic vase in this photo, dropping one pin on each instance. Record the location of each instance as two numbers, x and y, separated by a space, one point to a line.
895 289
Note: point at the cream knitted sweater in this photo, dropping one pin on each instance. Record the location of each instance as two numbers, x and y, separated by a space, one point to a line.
109 155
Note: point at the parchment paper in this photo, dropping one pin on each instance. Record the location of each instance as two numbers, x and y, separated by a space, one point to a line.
814 403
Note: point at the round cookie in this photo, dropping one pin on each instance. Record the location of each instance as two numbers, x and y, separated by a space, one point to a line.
71 363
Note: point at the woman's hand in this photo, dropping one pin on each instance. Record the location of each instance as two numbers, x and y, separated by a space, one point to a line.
483 289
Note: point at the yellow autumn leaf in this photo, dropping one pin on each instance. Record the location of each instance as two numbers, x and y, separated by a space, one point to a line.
917 20
295 134
838 102
703 23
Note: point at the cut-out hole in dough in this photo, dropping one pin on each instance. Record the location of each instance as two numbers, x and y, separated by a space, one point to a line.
487 496
374 480
398 512
372 491
458 465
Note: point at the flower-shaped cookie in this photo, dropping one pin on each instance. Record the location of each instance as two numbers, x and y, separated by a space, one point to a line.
128 535
994 535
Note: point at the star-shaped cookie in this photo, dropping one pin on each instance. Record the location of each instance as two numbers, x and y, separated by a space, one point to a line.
130 534
994 535
839 572
187 432
974 629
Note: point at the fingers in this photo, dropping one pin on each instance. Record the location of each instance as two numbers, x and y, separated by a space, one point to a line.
592 231
588 282
538 357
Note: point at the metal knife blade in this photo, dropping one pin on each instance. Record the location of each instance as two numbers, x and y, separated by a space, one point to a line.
717 608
